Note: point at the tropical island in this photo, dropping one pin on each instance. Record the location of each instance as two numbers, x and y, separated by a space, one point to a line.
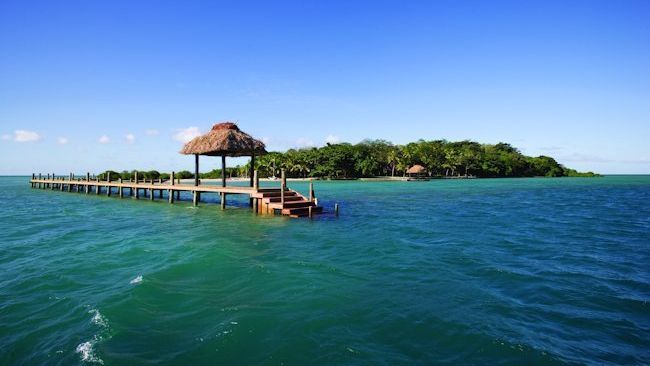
380 158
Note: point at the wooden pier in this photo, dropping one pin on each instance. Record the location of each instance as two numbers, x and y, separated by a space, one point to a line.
268 200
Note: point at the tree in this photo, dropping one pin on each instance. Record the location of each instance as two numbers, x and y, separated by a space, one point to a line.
371 158
184 174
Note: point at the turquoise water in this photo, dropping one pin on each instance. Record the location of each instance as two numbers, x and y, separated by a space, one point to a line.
509 271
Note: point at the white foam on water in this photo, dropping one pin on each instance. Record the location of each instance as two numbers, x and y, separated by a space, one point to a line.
136 280
98 318
88 353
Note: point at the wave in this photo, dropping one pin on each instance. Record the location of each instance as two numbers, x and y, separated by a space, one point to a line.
88 353
136 280
98 318
86 349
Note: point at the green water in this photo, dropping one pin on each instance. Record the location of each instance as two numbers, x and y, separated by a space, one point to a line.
510 271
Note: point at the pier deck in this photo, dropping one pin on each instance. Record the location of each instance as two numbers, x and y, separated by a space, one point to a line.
267 200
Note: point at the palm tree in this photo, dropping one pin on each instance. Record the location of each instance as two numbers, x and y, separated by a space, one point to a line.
391 157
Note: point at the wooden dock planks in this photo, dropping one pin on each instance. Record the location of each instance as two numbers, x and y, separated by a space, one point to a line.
263 200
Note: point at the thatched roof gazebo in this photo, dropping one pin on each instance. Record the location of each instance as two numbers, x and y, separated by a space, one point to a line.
416 170
224 139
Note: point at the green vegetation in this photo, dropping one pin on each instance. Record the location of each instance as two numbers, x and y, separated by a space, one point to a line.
372 158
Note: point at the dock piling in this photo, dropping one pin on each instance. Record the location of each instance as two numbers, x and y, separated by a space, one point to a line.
283 186
171 192
137 192
108 187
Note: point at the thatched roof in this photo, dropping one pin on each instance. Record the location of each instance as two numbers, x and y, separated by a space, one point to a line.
416 169
224 139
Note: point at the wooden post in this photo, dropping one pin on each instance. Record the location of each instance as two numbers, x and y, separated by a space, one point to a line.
311 190
257 181
87 182
160 194
137 191
151 194
195 198
283 185
108 186
32 182
310 211
40 185
223 181
120 189
252 170
171 192
99 189
336 209
223 170
196 170
70 184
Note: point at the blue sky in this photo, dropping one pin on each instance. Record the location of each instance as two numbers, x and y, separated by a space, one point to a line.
90 85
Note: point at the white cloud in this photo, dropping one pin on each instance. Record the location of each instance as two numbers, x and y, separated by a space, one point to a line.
104 139
186 134
62 140
26 136
6 137
303 142
130 138
152 132
331 139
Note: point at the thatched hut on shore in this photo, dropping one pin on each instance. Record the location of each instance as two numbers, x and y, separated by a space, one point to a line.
224 139
416 171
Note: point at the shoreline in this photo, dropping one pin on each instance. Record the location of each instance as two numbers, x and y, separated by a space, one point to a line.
369 179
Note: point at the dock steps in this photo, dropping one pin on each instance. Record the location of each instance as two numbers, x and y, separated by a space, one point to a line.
295 204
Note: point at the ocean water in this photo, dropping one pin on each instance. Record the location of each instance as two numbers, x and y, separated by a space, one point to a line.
546 271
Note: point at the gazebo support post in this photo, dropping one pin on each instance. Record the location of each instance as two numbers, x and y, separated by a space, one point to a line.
223 170
196 169
223 181
251 173
197 196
